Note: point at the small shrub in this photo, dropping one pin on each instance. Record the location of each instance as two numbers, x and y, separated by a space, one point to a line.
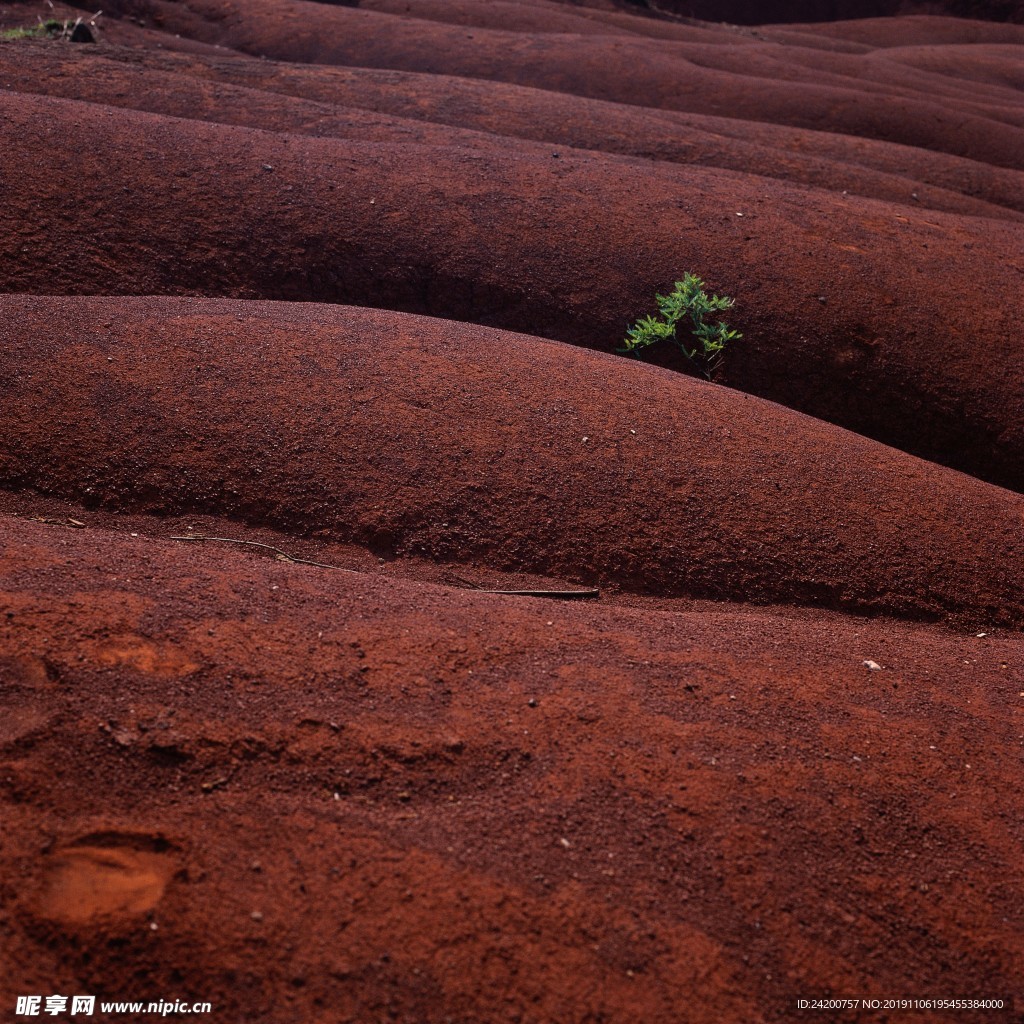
51 28
77 31
689 302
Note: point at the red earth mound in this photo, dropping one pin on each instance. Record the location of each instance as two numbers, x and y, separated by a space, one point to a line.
336 102
171 88
305 795
915 31
847 305
716 71
461 444
282 729
759 12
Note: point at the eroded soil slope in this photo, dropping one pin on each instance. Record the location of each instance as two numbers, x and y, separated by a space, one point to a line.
877 267
307 795
415 436
308 376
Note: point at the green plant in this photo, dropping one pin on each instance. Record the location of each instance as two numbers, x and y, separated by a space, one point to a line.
687 301
51 28
77 31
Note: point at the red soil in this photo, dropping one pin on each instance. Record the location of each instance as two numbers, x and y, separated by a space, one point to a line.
462 444
754 12
346 796
838 327
777 759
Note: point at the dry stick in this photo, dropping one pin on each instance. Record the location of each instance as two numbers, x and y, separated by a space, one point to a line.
269 547
565 595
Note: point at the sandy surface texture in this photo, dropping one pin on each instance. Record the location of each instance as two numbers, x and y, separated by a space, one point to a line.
378 643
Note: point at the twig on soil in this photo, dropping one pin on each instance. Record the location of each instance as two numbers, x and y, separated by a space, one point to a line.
562 595
75 524
282 555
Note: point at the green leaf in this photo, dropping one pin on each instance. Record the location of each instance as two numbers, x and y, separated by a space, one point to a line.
688 299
